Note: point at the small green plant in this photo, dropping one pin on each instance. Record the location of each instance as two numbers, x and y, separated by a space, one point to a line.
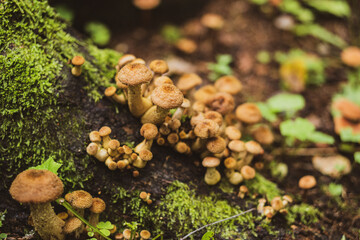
171 33
50 165
3 235
2 217
133 226
65 12
208 236
99 33
357 157
263 57
303 130
221 67
103 227
335 190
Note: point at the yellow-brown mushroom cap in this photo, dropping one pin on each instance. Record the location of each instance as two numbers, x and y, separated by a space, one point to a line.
237 146
307 182
143 195
125 59
145 234
72 224
114 144
232 132
109 91
149 131
36 186
215 116
181 147
145 155
204 93
276 203
95 136
247 172
212 20
78 60
162 80
228 84
146 4
351 56
254 148
98 205
211 162
159 66
104 131
216 145
248 113
134 74
92 149
188 81
230 163
243 189
167 96
206 129
348 109
127 233
221 102
81 199
186 45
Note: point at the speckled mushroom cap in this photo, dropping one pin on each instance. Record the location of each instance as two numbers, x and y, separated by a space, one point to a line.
104 131
145 234
72 224
167 96
215 116
109 91
232 132
95 136
351 56
237 146
127 233
78 60
230 162
162 80
307 182
247 172
254 147
98 205
211 162
145 155
206 129
216 145
148 131
36 186
248 113
114 144
188 81
134 74
159 66
125 59
80 199
228 84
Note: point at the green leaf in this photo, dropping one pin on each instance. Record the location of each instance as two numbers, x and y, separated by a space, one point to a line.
224 59
286 102
3 235
90 234
105 232
300 128
336 7
335 189
99 33
50 165
263 57
357 157
171 33
105 225
266 112
347 135
208 236
319 137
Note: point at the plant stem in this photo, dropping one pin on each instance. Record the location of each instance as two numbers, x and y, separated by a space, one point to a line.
65 204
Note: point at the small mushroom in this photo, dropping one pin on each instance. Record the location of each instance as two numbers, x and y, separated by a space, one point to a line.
149 131
97 207
77 61
221 102
247 172
277 203
212 21
248 113
72 225
186 45
307 182
188 82
228 84
104 133
145 234
351 56
212 176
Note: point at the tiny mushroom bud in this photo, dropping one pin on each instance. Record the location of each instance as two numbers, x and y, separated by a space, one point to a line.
212 176
287 199
38 188
221 102
188 81
228 84
243 190
134 75
104 133
351 56
149 131
248 113
110 92
247 172
260 207
77 61
164 97
307 182
276 203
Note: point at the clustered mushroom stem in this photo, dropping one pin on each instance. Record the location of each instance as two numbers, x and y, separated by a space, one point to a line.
94 218
155 115
47 224
138 105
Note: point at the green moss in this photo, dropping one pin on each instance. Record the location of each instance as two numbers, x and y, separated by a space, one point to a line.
307 214
34 50
263 186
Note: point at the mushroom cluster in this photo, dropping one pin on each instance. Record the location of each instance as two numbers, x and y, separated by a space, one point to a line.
128 234
277 204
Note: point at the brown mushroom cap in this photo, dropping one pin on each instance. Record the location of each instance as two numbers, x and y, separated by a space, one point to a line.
145 155
145 234
254 148
181 147
212 20
230 162
206 129
276 203
237 146
95 136
36 186
188 81
134 74
146 4
211 162
247 172
127 233
307 182
98 205
347 108
78 60
351 56
232 132
72 224
228 84
186 45
149 131
114 144
80 199
248 113
167 96
216 145
204 93
162 80
125 59
92 149
109 91
263 134
215 116
159 66
104 131
221 102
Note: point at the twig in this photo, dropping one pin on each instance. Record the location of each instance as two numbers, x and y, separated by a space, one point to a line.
304 151
210 224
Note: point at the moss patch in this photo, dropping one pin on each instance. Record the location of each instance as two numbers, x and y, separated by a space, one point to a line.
262 186
34 50
306 213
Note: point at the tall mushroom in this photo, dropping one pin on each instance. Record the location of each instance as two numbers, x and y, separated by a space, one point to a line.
134 75
38 188
212 176
165 97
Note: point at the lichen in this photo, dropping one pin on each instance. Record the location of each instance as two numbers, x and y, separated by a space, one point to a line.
34 51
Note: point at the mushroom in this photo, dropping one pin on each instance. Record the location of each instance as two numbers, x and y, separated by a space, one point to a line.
144 156
204 130
127 233
99 153
104 133
145 234
204 93
110 163
164 97
216 145
187 82
234 177
277 203
134 75
125 59
238 149
110 92
95 137
221 102
159 67
186 45
212 21
228 84
180 110
351 56
173 138
80 200
146 4
149 131
77 61
72 225
182 147
243 190
232 133
252 148
248 113
212 176
348 109
97 207
263 134
38 188
307 182
247 172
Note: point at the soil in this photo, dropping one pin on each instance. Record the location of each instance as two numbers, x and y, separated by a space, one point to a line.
247 31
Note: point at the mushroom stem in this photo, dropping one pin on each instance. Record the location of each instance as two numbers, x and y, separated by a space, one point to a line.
76 71
212 176
94 218
155 115
145 144
138 105
46 223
